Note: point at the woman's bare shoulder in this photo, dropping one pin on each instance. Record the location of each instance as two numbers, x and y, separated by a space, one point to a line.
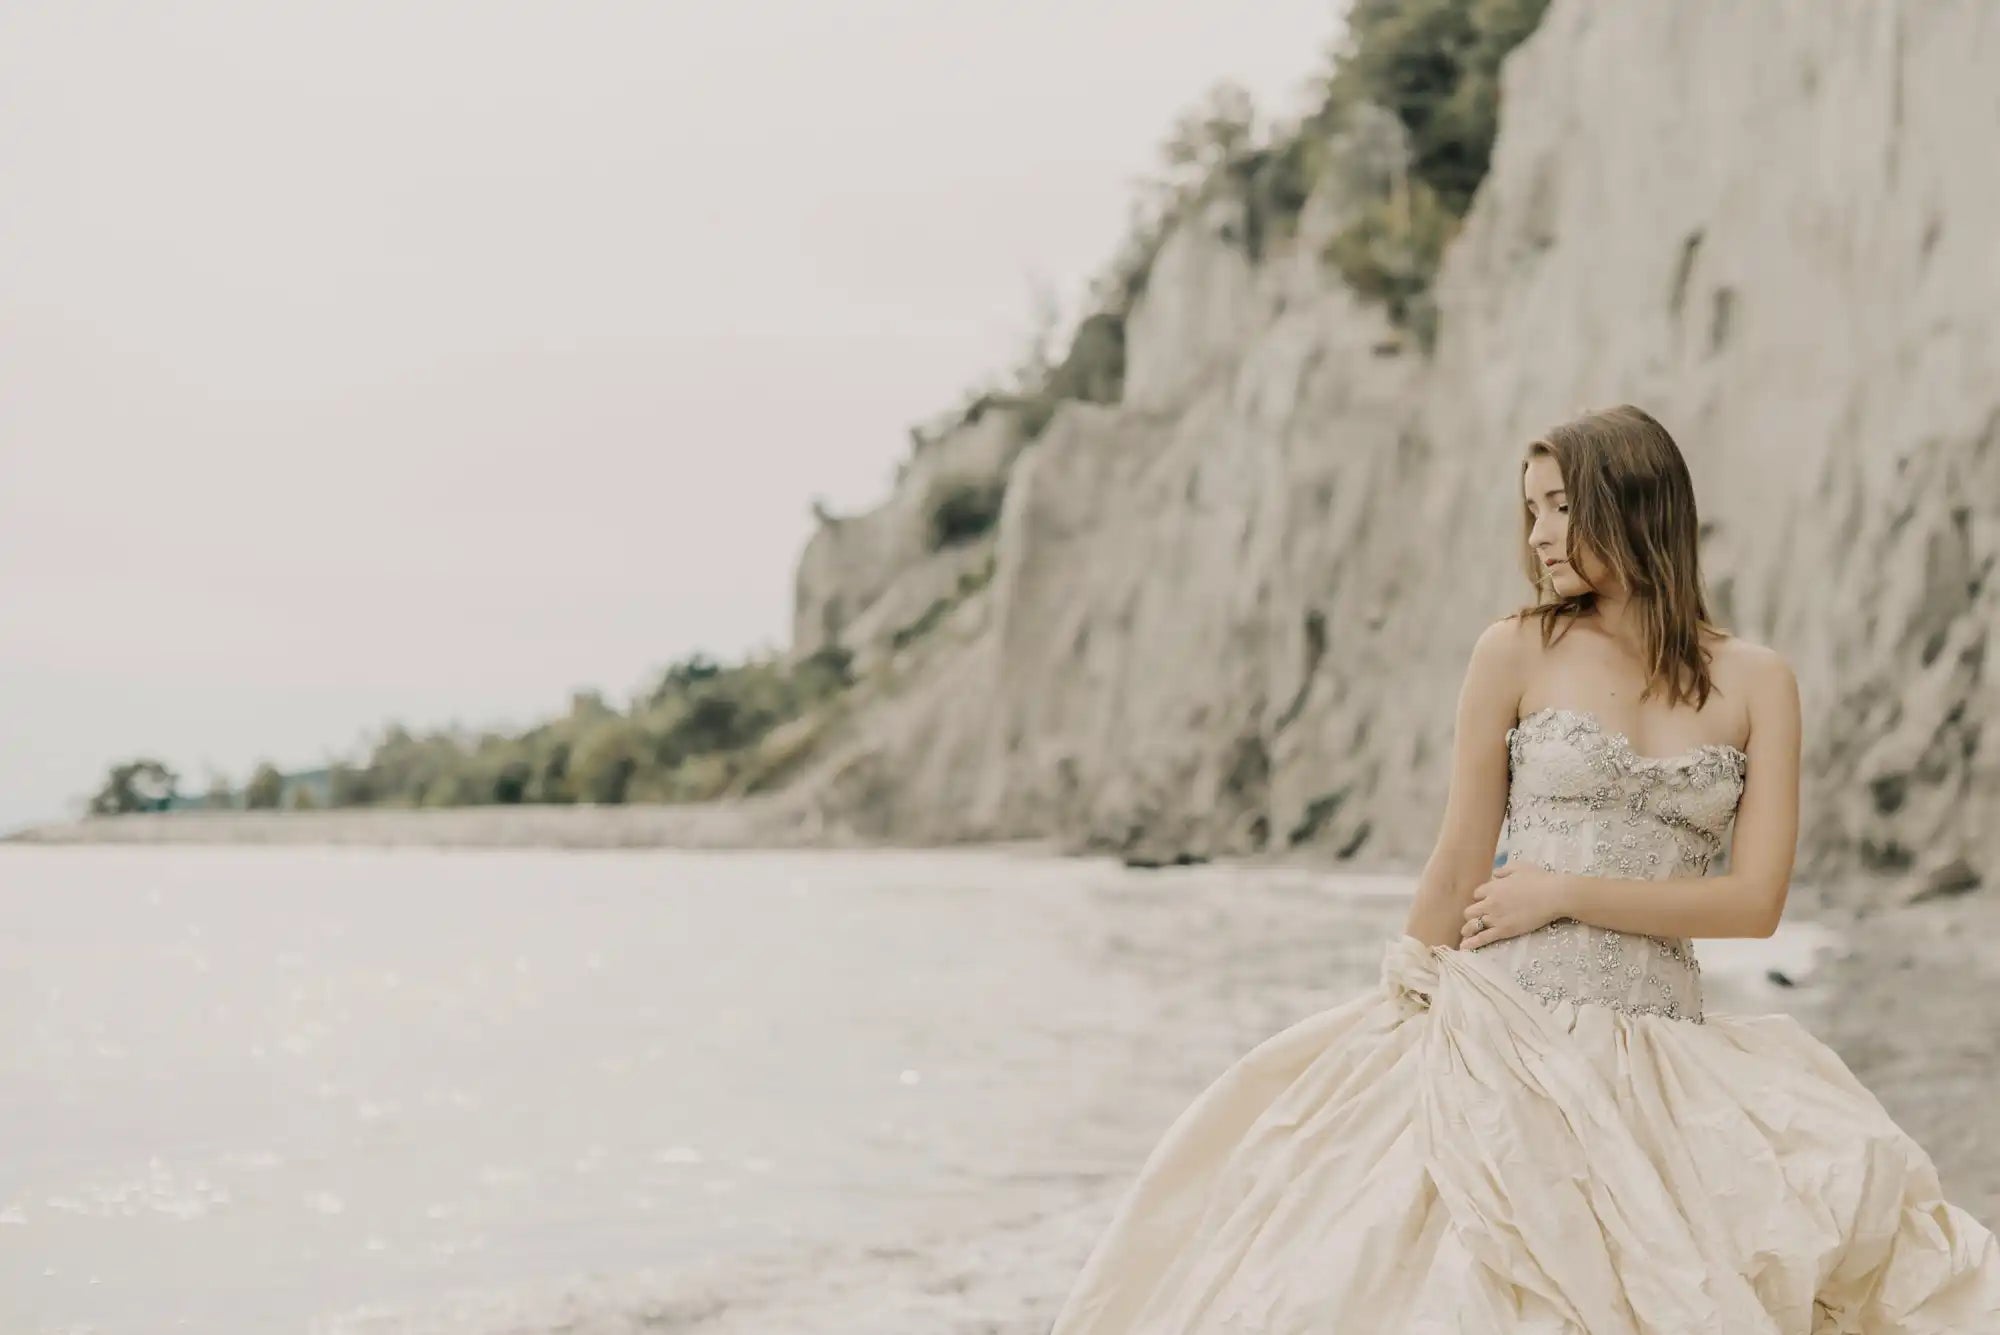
1757 662
1511 640
1759 675
1503 658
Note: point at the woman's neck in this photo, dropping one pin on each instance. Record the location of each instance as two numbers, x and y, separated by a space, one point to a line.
1614 615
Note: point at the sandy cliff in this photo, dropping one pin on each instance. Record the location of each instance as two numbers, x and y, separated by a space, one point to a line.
1230 612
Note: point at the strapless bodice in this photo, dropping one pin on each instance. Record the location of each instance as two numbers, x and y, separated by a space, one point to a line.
1581 800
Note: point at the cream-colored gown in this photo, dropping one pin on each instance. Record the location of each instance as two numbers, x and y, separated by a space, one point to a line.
1546 1134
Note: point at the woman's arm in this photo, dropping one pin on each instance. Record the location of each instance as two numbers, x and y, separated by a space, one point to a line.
1477 801
1747 900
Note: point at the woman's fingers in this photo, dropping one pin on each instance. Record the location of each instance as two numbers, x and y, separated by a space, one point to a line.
1486 936
1478 918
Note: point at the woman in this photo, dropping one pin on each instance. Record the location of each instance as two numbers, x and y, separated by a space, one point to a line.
1532 1125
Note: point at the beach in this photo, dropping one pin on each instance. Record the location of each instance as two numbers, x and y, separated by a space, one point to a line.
1040 1019
1924 1046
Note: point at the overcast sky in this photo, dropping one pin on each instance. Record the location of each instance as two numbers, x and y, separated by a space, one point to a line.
428 359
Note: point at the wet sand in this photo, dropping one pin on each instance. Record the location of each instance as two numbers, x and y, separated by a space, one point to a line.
1914 1010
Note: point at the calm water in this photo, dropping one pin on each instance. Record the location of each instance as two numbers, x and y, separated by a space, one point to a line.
277 1089
246 1088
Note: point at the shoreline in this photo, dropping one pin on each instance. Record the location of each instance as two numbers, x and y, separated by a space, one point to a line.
746 825
1233 953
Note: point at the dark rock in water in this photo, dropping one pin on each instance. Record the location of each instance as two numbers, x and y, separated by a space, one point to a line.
1780 977
1155 861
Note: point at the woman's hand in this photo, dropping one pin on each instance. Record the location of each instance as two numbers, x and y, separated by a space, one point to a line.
1516 901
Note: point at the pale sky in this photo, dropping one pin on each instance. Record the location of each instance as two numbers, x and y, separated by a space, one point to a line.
425 360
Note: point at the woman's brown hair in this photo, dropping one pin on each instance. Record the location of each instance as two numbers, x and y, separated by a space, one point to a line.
1631 504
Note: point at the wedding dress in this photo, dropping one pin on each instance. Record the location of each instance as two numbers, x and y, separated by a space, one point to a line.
1547 1134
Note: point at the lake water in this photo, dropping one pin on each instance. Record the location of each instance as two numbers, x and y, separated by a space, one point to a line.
275 1089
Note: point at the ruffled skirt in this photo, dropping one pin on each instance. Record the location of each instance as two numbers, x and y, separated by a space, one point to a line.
1449 1154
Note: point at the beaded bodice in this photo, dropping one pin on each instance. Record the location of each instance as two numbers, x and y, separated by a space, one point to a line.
1581 800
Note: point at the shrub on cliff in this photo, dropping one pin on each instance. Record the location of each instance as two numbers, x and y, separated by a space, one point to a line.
964 510
1390 252
1435 66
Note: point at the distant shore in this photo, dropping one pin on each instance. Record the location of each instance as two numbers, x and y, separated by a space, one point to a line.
748 824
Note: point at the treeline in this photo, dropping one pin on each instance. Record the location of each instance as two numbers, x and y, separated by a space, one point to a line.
701 731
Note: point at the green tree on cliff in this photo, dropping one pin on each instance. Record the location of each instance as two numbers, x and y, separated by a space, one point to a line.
1434 64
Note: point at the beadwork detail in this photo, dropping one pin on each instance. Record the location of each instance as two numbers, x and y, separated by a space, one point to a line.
1580 800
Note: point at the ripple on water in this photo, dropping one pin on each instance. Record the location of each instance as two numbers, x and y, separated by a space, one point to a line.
161 1189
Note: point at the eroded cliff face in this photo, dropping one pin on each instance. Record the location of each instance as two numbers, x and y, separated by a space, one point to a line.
1231 613
865 577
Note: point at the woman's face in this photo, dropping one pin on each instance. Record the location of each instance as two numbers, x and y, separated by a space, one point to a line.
1548 504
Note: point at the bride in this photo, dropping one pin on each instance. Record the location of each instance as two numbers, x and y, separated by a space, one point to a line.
1532 1124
